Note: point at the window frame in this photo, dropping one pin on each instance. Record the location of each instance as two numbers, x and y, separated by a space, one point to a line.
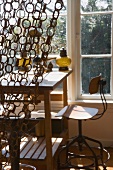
74 40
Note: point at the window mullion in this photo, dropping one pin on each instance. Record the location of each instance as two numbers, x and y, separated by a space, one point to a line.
111 83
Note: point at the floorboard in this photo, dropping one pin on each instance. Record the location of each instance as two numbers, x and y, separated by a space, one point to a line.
109 162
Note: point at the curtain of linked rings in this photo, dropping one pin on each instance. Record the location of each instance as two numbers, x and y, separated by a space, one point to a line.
25 30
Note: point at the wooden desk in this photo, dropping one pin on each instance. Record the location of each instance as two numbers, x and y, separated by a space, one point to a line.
49 83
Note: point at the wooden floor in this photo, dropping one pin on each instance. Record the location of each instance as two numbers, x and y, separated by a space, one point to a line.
109 163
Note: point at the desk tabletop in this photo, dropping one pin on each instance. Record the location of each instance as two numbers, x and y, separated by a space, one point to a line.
50 80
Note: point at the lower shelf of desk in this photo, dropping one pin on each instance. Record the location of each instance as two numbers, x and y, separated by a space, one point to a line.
33 150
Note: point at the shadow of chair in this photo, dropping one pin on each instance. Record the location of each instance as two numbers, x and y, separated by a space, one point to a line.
80 142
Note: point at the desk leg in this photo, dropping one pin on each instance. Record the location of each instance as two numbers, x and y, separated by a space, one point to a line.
14 142
65 103
48 130
65 98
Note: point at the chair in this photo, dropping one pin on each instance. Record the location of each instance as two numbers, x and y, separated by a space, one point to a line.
80 114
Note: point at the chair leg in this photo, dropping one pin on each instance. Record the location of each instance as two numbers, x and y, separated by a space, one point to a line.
80 140
100 148
93 153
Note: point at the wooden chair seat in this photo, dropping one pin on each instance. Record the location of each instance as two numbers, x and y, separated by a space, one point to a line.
77 112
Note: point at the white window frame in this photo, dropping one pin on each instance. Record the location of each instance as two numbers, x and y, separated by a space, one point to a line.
73 44
73 37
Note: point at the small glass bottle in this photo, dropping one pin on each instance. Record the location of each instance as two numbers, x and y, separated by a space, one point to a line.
63 61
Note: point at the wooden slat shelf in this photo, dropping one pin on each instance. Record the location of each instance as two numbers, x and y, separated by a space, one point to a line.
34 149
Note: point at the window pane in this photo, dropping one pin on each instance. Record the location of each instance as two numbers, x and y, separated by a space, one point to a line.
64 9
96 5
96 34
51 6
59 39
92 67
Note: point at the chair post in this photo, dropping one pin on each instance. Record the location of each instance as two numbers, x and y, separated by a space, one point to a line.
80 127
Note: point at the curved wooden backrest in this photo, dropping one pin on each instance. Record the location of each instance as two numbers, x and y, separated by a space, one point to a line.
94 84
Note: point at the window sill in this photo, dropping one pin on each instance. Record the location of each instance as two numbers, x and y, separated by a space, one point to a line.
91 101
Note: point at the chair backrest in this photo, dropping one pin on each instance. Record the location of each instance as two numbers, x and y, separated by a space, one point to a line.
97 85
94 85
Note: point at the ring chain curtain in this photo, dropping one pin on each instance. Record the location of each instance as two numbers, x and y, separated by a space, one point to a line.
25 29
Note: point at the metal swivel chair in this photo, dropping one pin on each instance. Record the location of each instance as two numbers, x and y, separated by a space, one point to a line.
80 142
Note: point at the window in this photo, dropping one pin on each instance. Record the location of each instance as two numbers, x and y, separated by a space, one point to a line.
60 37
95 41
90 37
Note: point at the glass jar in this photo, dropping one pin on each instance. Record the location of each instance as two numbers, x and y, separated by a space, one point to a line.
63 61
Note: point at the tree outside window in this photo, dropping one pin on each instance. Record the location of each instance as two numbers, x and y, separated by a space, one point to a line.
96 25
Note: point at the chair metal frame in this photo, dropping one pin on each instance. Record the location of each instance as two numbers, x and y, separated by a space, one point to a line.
96 84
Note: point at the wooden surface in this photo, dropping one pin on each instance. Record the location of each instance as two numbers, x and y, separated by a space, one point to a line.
35 148
52 79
